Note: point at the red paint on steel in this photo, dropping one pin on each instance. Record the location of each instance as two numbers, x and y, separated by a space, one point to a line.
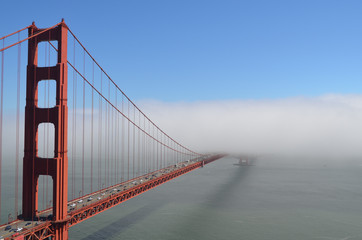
48 229
35 166
28 38
42 231
15 32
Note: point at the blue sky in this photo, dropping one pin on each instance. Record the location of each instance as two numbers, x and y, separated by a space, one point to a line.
212 50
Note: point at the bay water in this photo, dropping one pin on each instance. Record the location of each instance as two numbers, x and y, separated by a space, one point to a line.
275 199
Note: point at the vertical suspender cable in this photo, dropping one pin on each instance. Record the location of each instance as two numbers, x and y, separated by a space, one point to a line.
147 148
161 145
128 140
83 133
118 142
114 150
111 152
157 149
17 130
162 152
74 132
144 146
165 150
139 145
153 150
106 144
110 147
174 152
134 142
108 134
100 134
115 114
116 158
168 151
157 166
136 145
149 143
1 116
123 152
91 185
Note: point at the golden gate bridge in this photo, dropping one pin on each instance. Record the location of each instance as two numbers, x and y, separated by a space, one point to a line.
115 151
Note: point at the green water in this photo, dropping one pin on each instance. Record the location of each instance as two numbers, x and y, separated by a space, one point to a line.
279 200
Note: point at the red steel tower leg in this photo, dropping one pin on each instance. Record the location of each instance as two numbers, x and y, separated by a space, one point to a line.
34 166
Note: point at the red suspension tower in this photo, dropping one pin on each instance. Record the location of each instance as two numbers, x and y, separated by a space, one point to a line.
34 166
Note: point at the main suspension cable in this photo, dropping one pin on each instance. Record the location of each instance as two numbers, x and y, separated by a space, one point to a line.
32 36
126 95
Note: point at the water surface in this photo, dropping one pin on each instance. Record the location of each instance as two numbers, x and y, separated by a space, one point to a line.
273 199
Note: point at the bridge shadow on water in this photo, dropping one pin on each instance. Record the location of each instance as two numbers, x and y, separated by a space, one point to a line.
225 191
200 221
217 200
116 227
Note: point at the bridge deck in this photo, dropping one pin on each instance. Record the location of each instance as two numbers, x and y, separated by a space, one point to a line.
89 205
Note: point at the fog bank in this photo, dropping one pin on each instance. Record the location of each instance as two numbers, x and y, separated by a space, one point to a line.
329 125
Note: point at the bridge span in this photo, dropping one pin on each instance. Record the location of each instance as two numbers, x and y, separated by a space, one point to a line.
123 150
85 207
